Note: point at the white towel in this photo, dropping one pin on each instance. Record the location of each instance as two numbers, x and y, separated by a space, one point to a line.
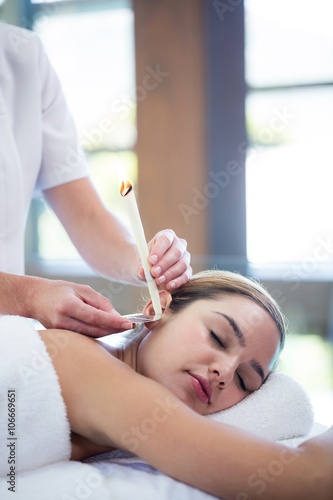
41 449
33 421
279 410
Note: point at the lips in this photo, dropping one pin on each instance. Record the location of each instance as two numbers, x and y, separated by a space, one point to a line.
201 387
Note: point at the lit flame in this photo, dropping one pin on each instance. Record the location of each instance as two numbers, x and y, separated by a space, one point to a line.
125 187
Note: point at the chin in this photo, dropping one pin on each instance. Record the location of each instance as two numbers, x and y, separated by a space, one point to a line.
194 405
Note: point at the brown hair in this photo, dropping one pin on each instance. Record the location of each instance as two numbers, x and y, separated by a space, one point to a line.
212 283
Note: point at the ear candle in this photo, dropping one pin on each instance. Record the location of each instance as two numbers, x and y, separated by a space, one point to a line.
127 192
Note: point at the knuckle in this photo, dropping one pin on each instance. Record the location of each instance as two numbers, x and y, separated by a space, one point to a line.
166 239
92 318
170 232
59 322
188 273
182 267
178 252
61 309
167 234
183 243
104 300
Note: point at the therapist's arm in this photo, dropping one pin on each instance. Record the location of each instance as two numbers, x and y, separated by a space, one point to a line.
59 304
110 404
106 244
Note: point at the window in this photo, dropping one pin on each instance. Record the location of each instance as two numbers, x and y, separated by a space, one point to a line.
289 120
289 114
91 46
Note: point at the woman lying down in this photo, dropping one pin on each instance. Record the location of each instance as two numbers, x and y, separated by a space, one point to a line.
217 341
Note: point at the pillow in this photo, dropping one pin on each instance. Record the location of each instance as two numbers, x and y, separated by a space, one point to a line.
280 409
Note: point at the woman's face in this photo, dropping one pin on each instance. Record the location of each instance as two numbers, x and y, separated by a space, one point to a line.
212 354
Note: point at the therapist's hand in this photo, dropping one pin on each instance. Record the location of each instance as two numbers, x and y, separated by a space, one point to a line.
70 306
170 260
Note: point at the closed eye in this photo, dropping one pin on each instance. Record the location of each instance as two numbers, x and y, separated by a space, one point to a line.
216 339
242 383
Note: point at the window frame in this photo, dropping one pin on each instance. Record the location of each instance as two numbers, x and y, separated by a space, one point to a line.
225 97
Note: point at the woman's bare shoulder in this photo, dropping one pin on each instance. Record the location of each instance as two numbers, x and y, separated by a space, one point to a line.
61 342
70 349
77 358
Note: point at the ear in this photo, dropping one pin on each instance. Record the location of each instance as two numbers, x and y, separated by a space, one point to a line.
165 298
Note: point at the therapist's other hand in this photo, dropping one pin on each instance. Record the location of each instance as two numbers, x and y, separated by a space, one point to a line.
169 259
70 306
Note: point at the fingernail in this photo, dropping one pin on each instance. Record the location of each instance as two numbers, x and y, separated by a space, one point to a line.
153 258
127 325
161 280
141 274
157 270
171 285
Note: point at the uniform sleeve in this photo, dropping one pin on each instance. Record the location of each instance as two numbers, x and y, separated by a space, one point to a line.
62 160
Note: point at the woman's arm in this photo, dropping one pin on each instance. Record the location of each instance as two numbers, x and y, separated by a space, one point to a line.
84 448
110 404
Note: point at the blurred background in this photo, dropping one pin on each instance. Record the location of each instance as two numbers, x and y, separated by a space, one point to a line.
222 113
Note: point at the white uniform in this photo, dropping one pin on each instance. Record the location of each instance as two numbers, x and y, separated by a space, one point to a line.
38 142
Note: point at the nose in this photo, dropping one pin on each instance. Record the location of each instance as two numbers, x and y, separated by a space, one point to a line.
222 372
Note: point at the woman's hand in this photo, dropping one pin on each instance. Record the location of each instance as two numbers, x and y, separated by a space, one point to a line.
170 260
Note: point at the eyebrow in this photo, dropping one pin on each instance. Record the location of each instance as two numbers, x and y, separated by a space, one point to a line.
241 339
237 331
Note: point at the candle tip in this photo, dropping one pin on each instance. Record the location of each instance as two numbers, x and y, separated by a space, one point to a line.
125 187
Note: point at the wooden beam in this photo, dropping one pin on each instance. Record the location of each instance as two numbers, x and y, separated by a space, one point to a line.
169 37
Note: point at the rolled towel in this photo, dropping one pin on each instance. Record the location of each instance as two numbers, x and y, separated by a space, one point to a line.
33 421
279 410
